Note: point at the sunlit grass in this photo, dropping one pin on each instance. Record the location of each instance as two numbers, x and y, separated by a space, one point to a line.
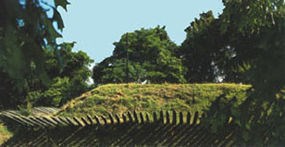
119 98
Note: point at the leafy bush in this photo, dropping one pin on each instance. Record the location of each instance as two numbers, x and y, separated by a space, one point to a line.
60 91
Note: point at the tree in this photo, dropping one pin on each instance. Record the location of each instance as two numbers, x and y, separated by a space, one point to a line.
256 30
69 76
140 55
26 28
197 52
208 54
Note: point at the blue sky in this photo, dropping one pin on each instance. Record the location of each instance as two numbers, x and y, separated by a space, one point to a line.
95 24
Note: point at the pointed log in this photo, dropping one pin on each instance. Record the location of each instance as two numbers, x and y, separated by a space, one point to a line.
18 121
142 118
174 117
78 121
117 118
40 124
155 119
21 119
124 118
46 124
196 116
167 117
89 118
72 122
136 119
188 118
111 118
60 122
161 117
50 120
63 119
130 116
181 121
104 119
147 117
97 120
85 121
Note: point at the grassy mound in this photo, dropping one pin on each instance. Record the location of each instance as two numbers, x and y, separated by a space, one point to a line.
119 98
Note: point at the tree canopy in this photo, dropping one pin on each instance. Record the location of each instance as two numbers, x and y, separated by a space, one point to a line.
29 52
26 28
145 54
197 50
69 76
255 32
210 54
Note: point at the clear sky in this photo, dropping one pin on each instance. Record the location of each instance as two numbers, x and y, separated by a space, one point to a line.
96 24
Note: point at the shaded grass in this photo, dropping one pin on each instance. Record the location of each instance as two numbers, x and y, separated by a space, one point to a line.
119 98
4 134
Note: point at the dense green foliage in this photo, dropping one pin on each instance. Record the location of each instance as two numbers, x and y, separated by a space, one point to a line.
229 46
197 50
146 54
69 77
26 28
210 54
119 98
33 68
255 32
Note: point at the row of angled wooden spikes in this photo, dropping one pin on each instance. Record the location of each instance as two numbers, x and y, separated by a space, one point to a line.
164 117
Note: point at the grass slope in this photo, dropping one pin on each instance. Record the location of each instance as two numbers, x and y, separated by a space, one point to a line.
119 98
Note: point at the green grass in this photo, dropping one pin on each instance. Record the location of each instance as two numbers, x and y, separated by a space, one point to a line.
4 134
119 98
